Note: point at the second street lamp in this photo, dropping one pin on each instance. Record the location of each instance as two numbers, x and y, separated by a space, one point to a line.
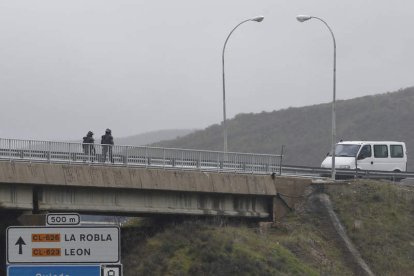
303 18
256 19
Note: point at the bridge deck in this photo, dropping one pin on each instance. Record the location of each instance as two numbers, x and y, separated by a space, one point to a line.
45 176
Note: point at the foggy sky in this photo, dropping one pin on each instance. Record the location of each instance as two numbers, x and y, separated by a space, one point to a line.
134 66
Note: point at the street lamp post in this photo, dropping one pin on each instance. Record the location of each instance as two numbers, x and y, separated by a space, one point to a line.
303 18
256 19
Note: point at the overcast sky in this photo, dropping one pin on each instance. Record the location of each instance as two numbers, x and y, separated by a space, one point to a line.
135 66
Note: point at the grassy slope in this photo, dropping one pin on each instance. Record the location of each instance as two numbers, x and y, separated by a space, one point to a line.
379 218
195 248
308 129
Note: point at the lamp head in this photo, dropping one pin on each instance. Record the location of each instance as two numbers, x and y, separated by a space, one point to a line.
303 18
258 19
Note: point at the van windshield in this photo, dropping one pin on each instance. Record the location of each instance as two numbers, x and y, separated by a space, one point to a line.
345 150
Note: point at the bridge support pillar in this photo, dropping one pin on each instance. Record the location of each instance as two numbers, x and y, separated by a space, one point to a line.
16 197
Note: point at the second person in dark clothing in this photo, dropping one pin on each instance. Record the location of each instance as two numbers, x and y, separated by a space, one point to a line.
107 142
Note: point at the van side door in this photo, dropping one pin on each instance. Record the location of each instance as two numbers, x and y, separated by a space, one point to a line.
364 158
381 158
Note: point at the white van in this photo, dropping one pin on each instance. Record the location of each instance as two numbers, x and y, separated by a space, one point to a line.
369 155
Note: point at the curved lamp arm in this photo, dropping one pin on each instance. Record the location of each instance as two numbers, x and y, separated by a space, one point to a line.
256 19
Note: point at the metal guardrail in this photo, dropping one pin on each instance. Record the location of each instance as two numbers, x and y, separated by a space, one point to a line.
149 157
345 173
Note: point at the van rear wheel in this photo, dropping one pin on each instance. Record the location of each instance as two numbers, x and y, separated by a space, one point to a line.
395 178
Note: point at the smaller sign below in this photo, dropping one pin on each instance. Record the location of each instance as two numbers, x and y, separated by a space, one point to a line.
53 219
70 270
111 270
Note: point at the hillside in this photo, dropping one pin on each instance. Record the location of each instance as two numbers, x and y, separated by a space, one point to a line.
378 217
153 137
306 131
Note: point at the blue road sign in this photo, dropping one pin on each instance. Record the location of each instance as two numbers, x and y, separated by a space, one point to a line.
47 270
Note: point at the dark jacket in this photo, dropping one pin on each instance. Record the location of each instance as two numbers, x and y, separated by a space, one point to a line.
107 139
88 140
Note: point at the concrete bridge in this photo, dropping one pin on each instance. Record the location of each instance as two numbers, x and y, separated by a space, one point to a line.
36 180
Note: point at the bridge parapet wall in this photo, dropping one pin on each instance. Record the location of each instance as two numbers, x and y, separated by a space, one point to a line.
135 178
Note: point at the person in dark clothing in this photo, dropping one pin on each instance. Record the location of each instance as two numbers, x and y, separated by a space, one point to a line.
107 142
88 146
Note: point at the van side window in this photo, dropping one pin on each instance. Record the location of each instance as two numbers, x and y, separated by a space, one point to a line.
397 151
380 151
365 151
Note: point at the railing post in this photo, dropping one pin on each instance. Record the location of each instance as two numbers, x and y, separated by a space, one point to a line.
163 159
218 161
252 163
86 156
10 156
49 151
269 161
182 160
30 151
127 156
281 159
70 155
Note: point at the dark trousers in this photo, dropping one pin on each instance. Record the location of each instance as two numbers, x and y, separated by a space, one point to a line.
89 151
107 149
